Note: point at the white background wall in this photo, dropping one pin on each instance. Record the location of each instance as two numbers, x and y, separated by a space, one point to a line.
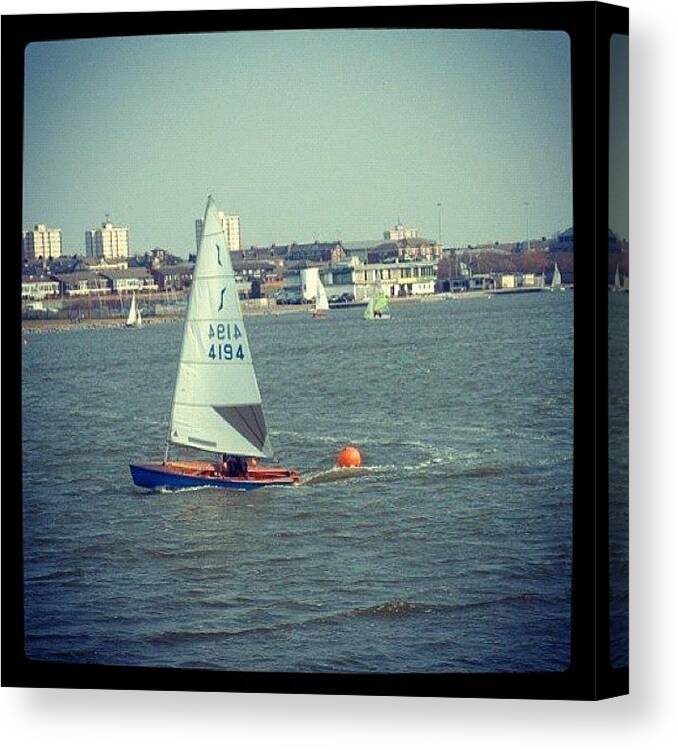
110 720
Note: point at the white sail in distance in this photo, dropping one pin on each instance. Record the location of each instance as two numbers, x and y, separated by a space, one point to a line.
322 303
217 405
556 280
132 317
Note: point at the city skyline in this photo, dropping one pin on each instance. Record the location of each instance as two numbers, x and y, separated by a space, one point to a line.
304 135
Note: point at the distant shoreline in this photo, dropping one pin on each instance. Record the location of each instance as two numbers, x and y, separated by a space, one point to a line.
59 325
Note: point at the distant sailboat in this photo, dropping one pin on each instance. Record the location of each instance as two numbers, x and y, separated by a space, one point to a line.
377 306
617 280
322 304
134 317
216 406
556 281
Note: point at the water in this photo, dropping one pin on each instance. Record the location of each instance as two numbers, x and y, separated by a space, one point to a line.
618 481
450 551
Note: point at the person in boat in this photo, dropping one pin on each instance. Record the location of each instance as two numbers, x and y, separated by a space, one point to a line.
234 466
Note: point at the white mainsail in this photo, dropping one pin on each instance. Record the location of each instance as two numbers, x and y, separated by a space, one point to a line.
138 318
217 405
321 303
617 279
132 317
556 280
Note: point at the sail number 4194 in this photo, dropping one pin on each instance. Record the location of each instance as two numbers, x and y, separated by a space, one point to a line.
226 351
225 331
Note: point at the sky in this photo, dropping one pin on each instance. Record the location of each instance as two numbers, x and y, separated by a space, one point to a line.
619 135
306 135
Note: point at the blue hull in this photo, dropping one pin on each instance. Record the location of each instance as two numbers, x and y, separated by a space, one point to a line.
158 477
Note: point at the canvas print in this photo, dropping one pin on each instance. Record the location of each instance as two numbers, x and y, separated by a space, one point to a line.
297 377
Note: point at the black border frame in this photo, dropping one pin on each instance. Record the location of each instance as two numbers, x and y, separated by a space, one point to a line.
589 26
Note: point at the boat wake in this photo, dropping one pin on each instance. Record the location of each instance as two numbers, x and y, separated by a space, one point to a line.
335 474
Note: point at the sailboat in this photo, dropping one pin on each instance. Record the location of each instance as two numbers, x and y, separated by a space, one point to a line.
556 281
134 317
617 280
216 407
322 304
377 306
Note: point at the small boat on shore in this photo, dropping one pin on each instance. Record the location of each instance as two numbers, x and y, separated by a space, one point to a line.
216 406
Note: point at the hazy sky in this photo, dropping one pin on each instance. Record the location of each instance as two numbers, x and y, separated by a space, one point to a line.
619 134
322 134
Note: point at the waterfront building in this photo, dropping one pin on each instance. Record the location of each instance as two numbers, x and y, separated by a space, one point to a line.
316 252
130 280
481 282
274 254
231 227
397 278
173 278
81 283
400 232
533 279
510 280
37 287
360 248
41 242
405 249
264 270
108 242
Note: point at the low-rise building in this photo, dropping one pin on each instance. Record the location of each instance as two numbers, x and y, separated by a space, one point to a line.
130 280
81 283
317 252
481 282
360 248
38 287
173 278
99 263
409 248
397 278
510 280
264 270
533 279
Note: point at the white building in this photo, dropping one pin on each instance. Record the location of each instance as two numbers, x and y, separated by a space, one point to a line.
231 227
38 287
397 279
41 242
130 280
108 242
399 232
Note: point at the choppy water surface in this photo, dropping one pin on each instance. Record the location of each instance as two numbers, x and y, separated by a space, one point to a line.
449 551
618 481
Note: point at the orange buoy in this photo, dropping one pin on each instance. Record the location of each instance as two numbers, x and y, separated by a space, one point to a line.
349 457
